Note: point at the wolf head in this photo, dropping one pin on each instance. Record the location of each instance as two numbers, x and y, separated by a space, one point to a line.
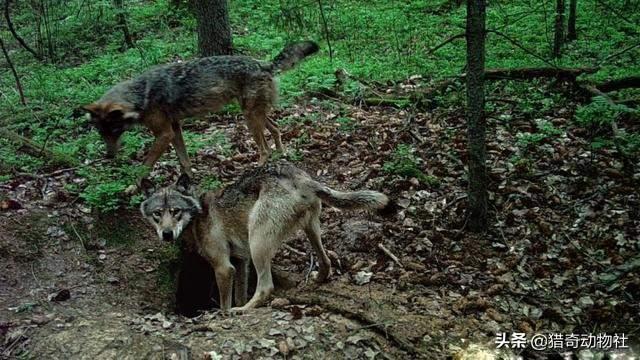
171 209
111 120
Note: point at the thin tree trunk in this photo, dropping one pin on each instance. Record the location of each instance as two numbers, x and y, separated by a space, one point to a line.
122 23
326 29
15 73
47 31
558 39
478 197
214 31
571 27
20 40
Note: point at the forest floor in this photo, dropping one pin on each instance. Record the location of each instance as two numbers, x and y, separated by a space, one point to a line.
561 254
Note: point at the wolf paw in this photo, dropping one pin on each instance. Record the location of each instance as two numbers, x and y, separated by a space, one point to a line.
238 310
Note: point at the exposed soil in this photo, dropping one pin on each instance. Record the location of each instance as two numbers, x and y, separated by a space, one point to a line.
561 255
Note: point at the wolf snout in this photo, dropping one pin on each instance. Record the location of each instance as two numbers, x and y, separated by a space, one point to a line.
167 235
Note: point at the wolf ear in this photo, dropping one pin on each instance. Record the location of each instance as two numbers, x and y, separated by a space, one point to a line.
91 109
183 184
147 187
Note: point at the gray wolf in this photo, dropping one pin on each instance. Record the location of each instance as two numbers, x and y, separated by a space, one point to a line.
161 97
249 220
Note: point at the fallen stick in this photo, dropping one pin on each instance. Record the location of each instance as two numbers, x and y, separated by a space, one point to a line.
294 250
390 254
618 84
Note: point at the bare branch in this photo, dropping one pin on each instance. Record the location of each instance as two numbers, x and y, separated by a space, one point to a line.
449 40
517 44
15 73
21 41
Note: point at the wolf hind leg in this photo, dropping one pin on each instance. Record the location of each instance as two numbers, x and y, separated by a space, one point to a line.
261 254
256 118
313 232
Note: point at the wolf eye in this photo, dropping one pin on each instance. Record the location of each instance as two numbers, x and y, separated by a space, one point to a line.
175 212
156 214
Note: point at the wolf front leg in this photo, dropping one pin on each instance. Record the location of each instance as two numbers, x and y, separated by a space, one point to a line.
241 282
219 257
181 150
160 126
159 146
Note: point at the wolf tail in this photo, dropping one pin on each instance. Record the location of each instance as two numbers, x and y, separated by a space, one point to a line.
363 199
292 54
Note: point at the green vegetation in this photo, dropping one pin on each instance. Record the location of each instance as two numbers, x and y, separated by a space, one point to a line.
380 41
210 183
598 117
545 131
405 163
346 124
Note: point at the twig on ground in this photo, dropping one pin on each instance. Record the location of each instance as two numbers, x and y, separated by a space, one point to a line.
364 317
390 254
306 277
79 237
294 250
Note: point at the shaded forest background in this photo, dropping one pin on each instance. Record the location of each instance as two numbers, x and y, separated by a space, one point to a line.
77 50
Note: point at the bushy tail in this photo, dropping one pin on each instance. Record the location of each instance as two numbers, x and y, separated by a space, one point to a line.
294 53
364 199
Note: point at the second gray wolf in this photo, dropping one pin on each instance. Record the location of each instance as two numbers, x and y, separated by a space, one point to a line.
249 220
164 95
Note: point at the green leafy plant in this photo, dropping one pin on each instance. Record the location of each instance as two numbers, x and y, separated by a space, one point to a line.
599 112
545 130
346 124
105 188
210 183
405 163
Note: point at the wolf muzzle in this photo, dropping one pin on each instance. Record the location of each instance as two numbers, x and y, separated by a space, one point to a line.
167 235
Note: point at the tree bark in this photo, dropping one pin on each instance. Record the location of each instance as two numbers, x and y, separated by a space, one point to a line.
559 29
20 40
535 72
476 126
214 31
122 23
618 84
14 72
571 27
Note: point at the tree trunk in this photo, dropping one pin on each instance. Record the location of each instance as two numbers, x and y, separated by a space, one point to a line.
14 72
559 29
122 23
214 32
571 27
478 198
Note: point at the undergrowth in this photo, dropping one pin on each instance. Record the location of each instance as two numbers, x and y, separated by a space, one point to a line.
379 41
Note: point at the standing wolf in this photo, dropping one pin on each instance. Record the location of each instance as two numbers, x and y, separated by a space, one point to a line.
249 220
164 95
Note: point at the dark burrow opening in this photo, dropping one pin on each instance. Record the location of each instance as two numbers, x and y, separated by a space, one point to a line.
196 288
